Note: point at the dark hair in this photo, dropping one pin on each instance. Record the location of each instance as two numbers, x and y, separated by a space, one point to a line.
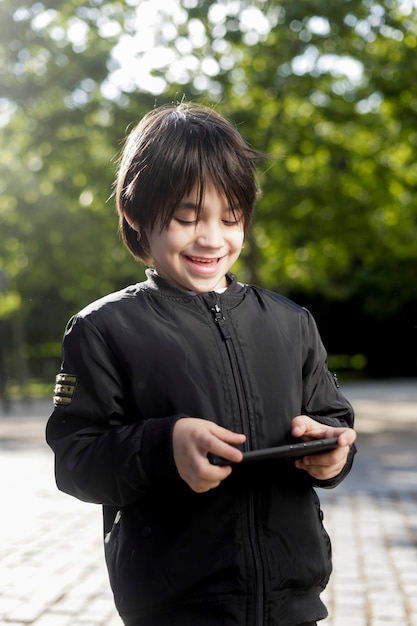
167 154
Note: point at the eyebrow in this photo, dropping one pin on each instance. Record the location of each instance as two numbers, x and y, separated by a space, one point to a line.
187 205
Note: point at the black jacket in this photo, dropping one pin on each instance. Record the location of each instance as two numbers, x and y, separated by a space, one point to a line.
252 551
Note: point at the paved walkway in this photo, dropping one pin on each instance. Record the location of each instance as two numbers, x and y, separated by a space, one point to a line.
52 570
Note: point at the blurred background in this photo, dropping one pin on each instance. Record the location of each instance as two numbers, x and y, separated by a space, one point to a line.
327 90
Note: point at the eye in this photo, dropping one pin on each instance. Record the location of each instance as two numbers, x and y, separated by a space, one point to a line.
186 216
232 218
185 222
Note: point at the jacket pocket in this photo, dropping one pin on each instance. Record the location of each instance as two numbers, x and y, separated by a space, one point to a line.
297 545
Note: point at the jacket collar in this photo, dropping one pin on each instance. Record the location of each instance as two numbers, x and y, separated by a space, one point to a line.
165 287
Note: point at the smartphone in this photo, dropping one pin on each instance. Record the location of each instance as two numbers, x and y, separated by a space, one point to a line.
290 451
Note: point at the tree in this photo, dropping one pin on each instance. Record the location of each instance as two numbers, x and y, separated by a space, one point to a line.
59 248
325 90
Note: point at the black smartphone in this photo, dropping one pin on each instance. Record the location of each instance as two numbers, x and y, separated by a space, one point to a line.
290 451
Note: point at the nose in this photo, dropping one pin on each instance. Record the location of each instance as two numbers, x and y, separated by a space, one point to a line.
209 234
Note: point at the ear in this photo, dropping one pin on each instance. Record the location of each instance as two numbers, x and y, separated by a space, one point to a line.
133 225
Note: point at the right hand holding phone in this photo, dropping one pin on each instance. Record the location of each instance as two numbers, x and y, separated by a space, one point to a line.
192 439
329 464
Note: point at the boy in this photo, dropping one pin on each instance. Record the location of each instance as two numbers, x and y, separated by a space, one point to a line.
192 362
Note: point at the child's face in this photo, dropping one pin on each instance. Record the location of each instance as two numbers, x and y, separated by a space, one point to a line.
197 255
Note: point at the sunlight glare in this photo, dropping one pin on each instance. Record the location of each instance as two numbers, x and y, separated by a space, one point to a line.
137 54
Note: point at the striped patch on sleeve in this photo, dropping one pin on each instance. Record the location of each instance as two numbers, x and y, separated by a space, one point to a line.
64 389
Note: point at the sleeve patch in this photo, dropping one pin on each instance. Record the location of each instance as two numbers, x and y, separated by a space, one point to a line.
64 389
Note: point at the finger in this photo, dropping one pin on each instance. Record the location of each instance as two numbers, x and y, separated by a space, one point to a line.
223 450
204 477
323 473
347 437
223 443
224 434
324 465
327 459
303 425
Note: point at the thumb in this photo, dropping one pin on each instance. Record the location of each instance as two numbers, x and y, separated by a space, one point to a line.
303 425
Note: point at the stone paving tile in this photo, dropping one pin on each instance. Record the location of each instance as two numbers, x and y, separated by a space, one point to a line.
52 570
373 558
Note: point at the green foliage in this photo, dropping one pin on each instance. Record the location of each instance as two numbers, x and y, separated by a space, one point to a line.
59 247
337 216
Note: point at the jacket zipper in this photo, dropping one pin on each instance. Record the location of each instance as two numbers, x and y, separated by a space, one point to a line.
221 323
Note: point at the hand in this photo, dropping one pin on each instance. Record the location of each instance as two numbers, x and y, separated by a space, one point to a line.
327 464
192 439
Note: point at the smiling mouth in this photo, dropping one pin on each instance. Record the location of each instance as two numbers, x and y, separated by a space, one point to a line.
204 261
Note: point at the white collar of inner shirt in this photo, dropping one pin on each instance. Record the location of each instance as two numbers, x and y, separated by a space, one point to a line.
195 293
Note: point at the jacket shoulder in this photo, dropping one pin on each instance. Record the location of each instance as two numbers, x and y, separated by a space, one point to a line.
273 298
110 302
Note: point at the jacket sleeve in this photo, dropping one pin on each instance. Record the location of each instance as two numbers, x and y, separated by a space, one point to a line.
322 399
103 455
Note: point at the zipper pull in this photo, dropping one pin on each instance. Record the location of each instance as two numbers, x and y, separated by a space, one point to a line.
217 314
220 320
